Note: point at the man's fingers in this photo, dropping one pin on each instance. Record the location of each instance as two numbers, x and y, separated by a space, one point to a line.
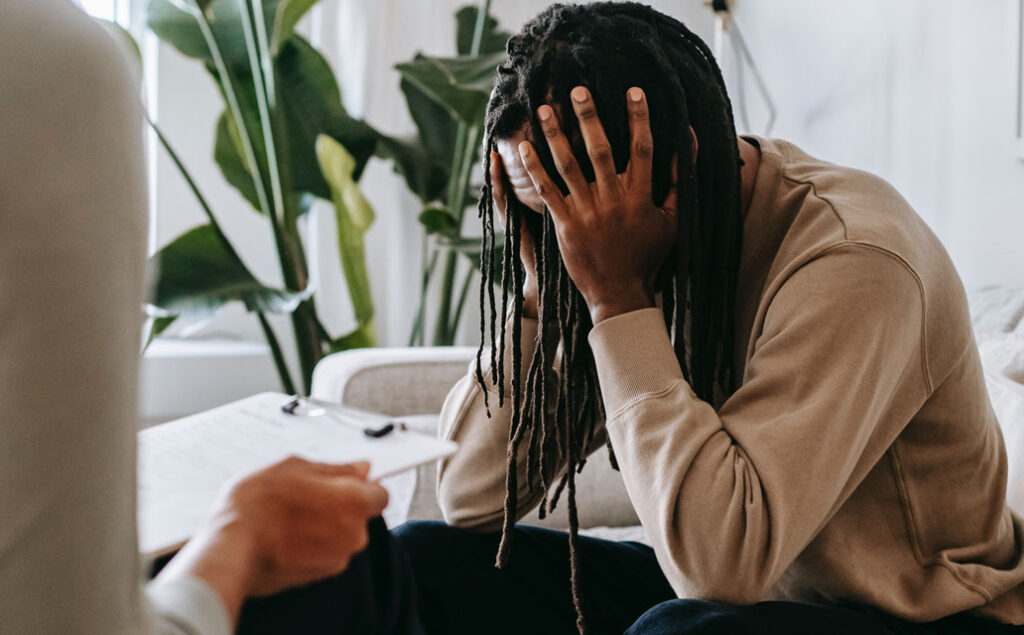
542 182
598 148
358 469
561 152
376 499
641 149
367 500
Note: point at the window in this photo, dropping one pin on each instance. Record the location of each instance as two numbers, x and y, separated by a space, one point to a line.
113 10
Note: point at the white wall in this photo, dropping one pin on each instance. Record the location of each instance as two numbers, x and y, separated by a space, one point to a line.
921 92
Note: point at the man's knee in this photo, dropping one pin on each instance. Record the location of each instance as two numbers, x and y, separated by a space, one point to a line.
432 542
421 538
695 617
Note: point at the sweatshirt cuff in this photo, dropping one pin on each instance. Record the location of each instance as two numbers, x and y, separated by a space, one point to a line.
189 605
634 358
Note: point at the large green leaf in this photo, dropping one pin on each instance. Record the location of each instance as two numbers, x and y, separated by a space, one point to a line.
354 216
153 326
424 175
175 22
438 92
361 337
462 85
493 39
197 273
289 12
229 157
438 220
311 105
437 128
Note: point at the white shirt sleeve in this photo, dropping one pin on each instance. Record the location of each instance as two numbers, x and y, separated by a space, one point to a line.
186 606
72 229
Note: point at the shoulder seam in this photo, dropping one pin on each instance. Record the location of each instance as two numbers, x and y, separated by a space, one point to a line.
814 190
925 367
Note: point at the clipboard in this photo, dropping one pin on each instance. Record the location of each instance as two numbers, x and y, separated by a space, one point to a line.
183 465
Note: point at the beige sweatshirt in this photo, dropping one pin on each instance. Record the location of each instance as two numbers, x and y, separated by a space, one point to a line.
859 461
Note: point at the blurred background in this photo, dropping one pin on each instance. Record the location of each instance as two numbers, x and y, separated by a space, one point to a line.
925 93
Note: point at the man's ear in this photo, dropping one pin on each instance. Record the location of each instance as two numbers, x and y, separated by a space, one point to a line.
696 144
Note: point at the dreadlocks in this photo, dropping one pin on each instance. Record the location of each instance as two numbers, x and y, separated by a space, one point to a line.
607 47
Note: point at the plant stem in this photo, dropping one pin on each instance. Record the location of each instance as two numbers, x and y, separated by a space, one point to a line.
416 338
463 294
478 28
189 180
275 352
283 223
465 141
231 97
263 84
442 329
272 342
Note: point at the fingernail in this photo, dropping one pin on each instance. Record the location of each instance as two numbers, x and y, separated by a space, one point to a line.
635 94
579 94
544 113
524 148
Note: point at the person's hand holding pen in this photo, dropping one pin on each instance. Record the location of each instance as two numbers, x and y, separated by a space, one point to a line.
289 524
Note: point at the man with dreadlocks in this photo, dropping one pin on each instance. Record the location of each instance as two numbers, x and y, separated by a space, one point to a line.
776 350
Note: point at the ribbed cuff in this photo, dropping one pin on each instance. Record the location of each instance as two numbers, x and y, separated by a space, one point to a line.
634 357
190 605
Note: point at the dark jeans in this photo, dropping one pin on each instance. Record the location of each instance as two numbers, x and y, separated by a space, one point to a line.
374 596
623 590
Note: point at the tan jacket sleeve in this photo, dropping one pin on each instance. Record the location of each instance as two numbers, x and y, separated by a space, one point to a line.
471 483
730 498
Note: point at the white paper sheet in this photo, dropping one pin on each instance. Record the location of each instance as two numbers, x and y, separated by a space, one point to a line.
184 464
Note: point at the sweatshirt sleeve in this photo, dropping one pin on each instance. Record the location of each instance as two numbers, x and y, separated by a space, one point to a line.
471 483
731 498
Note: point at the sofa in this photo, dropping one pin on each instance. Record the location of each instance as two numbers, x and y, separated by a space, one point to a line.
412 383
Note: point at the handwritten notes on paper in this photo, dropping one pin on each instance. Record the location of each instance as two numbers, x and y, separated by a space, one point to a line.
184 464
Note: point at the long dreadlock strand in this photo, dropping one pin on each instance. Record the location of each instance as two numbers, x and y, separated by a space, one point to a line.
513 228
486 254
506 266
544 290
487 265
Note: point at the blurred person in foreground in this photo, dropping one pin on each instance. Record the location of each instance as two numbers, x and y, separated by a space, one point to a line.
295 548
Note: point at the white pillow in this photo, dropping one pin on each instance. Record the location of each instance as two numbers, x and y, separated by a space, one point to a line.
1002 356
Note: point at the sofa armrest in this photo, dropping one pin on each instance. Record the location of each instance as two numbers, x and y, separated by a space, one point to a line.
393 381
401 382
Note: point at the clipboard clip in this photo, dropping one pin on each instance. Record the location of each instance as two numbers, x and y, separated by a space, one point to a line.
309 407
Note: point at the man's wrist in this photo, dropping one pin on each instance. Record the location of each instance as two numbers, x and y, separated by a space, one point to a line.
225 557
630 299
